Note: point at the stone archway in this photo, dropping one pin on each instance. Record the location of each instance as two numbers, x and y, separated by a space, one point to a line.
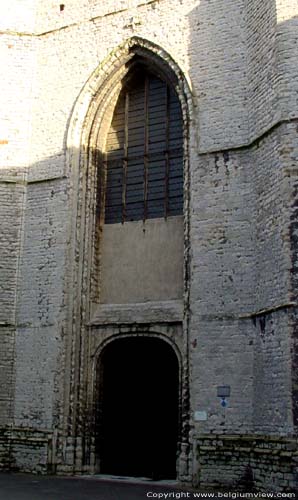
88 127
138 420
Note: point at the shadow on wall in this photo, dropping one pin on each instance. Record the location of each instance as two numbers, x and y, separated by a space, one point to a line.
219 73
244 69
43 211
217 60
242 64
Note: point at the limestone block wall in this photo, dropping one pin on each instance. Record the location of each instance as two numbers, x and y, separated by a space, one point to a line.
240 61
7 374
271 222
217 68
262 67
240 231
18 60
272 397
247 461
71 46
40 310
202 36
222 289
18 65
12 199
286 32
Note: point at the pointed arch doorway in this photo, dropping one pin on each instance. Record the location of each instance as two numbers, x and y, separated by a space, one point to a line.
138 398
89 156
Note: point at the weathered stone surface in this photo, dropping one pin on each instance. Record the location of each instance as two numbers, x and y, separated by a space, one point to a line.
234 64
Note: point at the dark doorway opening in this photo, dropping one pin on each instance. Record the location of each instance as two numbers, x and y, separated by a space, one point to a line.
137 425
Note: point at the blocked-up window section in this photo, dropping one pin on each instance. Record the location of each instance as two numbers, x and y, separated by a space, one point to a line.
144 153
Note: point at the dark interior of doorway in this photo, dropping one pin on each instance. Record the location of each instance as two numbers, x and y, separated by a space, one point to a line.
139 393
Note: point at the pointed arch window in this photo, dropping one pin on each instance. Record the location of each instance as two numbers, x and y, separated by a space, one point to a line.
144 152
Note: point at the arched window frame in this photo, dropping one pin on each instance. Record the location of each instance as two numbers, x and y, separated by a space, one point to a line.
91 115
143 162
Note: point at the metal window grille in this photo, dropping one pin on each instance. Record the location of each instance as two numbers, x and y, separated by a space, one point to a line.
144 153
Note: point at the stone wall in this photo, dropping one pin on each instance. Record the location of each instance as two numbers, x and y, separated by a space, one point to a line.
249 463
239 59
18 51
262 67
25 449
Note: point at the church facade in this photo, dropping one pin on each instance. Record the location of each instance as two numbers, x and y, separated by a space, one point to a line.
148 213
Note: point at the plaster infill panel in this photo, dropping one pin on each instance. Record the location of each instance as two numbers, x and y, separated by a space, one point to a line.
142 261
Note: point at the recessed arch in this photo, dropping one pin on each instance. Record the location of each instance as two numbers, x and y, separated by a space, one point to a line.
89 122
87 131
103 87
137 398
142 332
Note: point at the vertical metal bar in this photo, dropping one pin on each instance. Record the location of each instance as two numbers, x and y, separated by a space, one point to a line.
102 186
146 140
125 158
167 167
